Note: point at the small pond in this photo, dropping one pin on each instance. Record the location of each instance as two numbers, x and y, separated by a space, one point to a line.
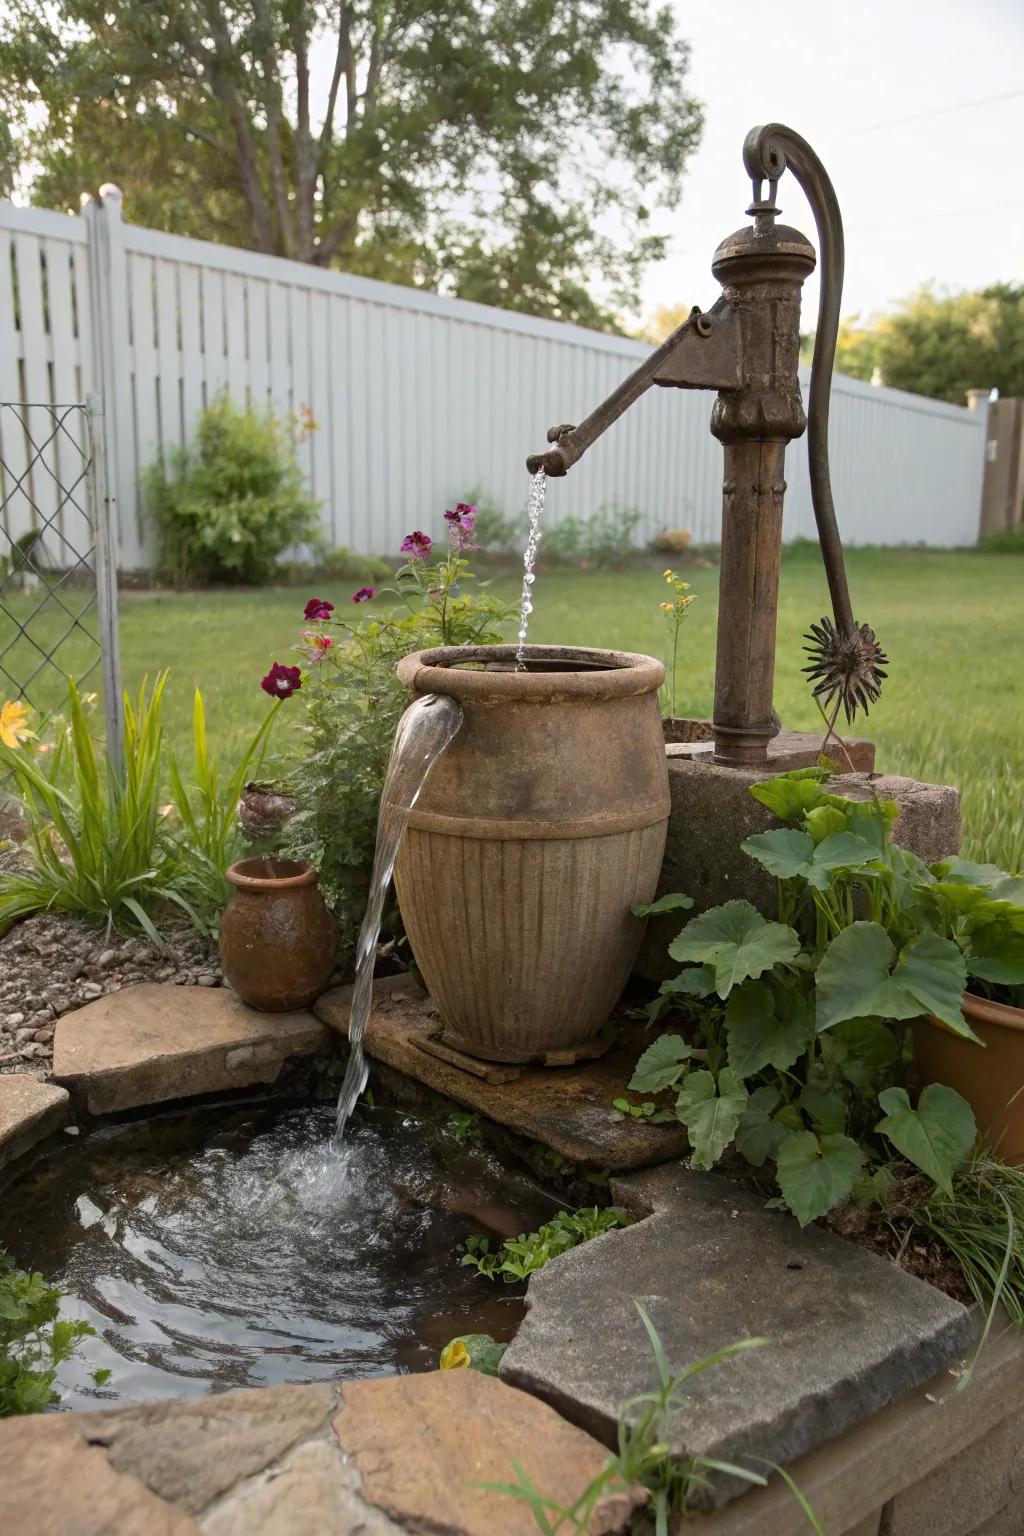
234 1246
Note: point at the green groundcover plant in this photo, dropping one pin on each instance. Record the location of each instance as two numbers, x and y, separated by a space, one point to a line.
354 700
793 1054
34 1341
518 1257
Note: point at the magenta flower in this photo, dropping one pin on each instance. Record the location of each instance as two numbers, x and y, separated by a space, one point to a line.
464 517
318 608
364 594
281 682
417 544
461 524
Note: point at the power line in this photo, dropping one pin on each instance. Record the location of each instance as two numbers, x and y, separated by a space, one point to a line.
916 117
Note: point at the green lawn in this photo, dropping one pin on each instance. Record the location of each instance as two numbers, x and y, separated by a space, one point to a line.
952 623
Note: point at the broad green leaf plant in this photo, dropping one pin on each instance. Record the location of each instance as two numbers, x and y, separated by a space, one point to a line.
794 1051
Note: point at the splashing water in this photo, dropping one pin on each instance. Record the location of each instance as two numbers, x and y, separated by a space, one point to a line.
535 513
424 731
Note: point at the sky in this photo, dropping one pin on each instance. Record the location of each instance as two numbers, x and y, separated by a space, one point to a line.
928 193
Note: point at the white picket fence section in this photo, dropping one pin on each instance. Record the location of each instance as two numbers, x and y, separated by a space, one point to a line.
417 398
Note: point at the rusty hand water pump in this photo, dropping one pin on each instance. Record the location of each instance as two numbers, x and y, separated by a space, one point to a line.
747 348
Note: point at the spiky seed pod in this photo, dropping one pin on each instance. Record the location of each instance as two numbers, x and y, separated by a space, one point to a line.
849 666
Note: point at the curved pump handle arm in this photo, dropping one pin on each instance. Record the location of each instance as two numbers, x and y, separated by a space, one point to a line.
767 152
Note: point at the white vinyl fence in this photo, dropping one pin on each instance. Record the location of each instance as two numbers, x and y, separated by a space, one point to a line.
417 398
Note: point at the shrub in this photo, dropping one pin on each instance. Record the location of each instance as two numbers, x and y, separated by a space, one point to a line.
498 533
231 502
34 1341
604 540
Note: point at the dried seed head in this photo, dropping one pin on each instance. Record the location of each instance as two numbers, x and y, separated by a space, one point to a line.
848 666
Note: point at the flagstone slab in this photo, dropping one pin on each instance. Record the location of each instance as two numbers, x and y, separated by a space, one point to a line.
30 1111
154 1043
568 1108
426 1446
847 1331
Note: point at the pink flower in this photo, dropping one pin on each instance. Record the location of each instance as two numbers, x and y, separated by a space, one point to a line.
418 545
317 609
461 524
364 594
281 682
318 642
464 516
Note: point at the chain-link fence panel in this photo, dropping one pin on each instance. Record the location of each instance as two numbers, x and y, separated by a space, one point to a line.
58 583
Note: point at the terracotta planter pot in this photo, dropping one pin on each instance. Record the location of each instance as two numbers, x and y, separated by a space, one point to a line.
538 828
277 937
990 1079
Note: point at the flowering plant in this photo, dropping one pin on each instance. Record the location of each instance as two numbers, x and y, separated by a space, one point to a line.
675 612
354 700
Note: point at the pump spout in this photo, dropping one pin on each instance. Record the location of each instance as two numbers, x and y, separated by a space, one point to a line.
703 353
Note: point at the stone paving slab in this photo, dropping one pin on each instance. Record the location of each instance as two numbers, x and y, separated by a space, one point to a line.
30 1110
154 1043
456 1431
373 1458
848 1331
568 1108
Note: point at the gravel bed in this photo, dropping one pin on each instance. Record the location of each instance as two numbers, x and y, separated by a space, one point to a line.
50 965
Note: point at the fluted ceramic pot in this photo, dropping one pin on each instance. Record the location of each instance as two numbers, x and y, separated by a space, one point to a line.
278 939
536 831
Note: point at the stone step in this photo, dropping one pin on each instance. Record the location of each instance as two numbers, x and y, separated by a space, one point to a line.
157 1042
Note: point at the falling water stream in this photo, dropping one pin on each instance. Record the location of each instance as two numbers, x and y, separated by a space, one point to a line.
535 513
424 731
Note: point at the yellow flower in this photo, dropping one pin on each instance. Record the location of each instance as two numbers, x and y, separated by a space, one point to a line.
665 607
668 575
454 1355
13 724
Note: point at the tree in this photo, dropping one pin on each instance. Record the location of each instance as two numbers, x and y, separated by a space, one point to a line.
509 150
942 344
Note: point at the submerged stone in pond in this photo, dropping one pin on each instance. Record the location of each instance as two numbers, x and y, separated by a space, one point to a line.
240 1247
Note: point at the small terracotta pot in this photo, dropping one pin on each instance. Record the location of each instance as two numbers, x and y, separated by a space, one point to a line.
277 937
989 1076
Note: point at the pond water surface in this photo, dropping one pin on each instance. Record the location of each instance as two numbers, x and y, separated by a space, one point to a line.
239 1246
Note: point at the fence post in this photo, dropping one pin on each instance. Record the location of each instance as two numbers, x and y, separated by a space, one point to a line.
108 291
108 404
106 583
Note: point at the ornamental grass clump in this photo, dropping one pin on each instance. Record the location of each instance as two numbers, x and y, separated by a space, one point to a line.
353 700
102 842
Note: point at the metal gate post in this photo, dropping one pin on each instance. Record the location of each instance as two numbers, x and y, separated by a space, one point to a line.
106 584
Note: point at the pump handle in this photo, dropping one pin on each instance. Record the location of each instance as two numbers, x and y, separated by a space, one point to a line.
767 152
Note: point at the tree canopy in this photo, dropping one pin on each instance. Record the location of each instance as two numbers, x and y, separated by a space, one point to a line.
941 344
511 151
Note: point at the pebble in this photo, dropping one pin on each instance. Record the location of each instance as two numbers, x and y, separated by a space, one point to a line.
52 964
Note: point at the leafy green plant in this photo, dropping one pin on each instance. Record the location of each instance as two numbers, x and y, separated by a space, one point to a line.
643 1455
472 1351
210 838
95 846
604 540
354 701
230 503
980 1220
519 1257
796 1053
34 1341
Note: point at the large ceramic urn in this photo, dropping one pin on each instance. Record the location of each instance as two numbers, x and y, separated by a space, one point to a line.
536 831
